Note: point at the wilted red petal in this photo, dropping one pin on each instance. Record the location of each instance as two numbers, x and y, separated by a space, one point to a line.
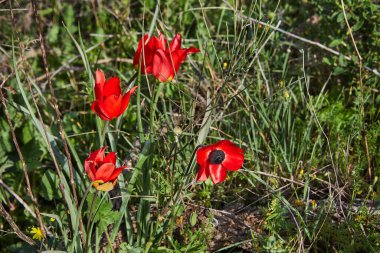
176 43
104 172
217 173
112 87
95 108
97 155
111 106
203 172
234 156
162 67
116 173
104 187
110 158
90 169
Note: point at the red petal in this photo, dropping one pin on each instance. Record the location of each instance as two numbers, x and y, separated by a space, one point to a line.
145 51
111 106
193 50
203 172
161 42
112 87
203 153
110 158
99 84
97 155
90 169
217 172
116 173
104 172
176 43
126 98
179 56
234 155
95 108
162 67
99 77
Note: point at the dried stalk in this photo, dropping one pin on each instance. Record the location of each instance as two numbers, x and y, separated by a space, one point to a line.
14 226
23 203
361 92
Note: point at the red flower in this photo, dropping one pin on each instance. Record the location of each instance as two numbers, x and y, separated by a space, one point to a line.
102 169
110 103
214 160
158 60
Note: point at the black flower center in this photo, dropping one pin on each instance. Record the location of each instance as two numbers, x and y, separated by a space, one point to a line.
217 157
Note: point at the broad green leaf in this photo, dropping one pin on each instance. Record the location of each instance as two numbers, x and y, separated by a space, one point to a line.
50 186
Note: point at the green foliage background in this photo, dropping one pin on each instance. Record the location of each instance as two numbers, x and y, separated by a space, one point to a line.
294 108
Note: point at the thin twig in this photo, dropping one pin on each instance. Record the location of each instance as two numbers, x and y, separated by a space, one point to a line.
23 203
361 92
14 226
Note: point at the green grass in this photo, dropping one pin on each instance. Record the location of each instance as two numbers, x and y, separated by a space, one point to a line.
292 106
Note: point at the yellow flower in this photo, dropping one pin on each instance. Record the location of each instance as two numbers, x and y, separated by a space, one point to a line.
52 219
313 203
37 233
225 65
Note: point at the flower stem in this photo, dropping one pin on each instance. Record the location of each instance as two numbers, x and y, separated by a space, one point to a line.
105 130
92 207
109 241
78 218
139 121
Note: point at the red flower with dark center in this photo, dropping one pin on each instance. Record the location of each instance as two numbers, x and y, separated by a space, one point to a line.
102 169
110 103
159 60
214 160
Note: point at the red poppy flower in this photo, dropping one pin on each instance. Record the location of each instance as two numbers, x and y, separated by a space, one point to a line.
159 60
110 103
214 160
102 169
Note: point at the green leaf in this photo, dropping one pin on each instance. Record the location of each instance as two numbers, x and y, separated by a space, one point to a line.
125 248
32 154
50 186
335 43
326 61
357 26
105 215
193 218
53 34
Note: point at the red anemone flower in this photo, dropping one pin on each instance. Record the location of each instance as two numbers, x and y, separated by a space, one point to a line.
102 169
159 60
214 160
110 103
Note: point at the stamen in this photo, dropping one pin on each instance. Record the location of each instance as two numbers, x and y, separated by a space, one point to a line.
217 157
